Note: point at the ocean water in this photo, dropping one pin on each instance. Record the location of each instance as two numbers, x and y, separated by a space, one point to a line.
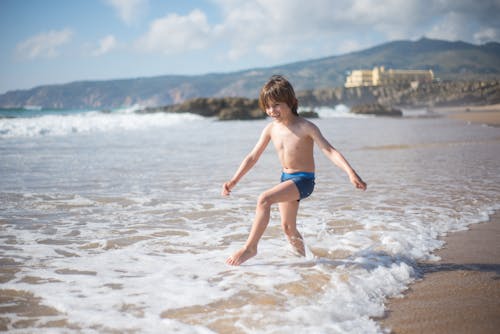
114 223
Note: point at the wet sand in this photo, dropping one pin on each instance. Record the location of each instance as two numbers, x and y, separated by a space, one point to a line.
458 294
489 114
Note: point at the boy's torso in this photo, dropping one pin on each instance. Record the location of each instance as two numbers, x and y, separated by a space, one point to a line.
294 146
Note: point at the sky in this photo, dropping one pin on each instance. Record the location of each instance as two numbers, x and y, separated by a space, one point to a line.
59 41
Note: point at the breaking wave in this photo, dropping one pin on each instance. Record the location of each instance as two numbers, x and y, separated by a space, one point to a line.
65 123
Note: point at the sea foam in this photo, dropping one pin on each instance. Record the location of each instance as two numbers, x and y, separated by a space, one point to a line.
88 122
126 231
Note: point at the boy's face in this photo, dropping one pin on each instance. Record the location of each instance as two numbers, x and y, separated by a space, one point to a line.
278 110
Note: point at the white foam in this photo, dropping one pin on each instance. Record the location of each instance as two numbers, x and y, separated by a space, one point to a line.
152 238
129 110
339 111
89 122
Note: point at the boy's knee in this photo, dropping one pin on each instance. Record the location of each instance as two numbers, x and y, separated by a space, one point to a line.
263 200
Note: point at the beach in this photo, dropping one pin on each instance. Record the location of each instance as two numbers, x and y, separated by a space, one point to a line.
489 114
113 222
459 293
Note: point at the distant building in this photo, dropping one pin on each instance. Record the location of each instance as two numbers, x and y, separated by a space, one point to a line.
380 77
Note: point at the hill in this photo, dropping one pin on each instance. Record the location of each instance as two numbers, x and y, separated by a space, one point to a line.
448 60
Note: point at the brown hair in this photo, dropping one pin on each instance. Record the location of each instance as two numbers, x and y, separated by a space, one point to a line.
278 89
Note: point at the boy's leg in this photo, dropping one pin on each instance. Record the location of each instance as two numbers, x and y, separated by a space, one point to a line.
288 211
283 192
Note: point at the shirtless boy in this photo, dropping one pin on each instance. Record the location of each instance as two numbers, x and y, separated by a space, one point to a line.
294 138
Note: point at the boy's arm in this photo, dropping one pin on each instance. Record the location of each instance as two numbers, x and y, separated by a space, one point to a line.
336 157
249 160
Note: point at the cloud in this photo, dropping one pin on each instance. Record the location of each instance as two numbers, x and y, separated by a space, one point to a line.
106 45
262 26
175 34
467 21
487 35
44 45
284 30
129 11
348 46
452 26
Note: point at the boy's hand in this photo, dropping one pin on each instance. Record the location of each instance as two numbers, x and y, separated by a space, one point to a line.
226 188
357 181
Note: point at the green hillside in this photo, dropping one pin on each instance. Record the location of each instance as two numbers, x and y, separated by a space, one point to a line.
448 60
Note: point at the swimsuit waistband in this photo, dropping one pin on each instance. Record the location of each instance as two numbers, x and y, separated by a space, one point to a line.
306 175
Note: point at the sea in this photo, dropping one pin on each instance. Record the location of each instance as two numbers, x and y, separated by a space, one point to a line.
113 222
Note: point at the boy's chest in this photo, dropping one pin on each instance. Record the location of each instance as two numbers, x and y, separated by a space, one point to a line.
286 139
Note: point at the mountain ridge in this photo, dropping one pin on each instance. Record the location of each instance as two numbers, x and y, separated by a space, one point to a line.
450 60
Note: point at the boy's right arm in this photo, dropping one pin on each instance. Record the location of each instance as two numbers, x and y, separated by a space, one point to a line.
336 157
249 160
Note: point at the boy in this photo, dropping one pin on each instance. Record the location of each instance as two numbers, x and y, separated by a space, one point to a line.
293 137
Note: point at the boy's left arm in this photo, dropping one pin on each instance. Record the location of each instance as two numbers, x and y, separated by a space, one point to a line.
336 157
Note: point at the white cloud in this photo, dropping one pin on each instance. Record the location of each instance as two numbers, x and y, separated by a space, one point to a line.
175 33
106 44
291 28
129 11
284 30
44 45
453 26
487 35
263 26
348 46
475 22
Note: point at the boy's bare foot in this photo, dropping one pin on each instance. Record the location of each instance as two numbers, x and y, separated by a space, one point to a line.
298 244
241 256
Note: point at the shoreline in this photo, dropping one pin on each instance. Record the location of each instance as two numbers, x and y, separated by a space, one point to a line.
488 114
458 294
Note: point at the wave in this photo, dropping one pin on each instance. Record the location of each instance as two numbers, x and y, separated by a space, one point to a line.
89 122
339 111
129 110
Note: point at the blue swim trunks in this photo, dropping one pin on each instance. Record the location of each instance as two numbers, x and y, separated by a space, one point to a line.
303 180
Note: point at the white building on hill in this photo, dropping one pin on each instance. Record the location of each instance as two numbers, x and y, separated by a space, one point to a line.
380 77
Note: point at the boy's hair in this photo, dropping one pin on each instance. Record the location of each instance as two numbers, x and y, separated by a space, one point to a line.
278 89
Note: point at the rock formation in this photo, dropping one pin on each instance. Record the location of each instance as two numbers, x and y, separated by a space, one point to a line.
376 109
223 108
364 100
440 93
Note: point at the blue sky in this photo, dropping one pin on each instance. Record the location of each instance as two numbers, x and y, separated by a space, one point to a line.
59 41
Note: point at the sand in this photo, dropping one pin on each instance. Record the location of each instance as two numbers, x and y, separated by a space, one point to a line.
489 114
458 294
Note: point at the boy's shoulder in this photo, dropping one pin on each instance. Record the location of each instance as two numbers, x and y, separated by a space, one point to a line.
304 120
268 127
307 124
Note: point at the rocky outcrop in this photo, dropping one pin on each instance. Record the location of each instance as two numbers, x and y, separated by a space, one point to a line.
230 108
308 114
442 93
227 114
376 109
363 100
223 108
